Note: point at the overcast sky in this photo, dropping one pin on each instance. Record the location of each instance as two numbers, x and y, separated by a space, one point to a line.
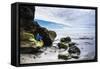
67 16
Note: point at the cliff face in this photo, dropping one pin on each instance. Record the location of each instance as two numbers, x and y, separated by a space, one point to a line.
31 33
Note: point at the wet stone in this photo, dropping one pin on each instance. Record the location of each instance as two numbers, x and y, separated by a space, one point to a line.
74 50
63 46
64 56
66 39
72 44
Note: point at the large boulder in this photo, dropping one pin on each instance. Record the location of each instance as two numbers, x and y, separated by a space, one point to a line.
32 35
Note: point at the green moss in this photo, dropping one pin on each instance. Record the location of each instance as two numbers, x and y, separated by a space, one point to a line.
66 39
61 45
24 36
65 57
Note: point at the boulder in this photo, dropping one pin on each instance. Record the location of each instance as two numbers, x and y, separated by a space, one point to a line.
74 50
44 33
72 44
62 46
70 47
32 35
52 35
65 40
64 55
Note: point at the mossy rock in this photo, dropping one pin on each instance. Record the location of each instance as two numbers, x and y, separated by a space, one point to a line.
65 40
52 35
25 36
74 50
64 57
44 33
63 46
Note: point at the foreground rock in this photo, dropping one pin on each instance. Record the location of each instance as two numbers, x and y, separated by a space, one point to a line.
64 43
72 50
66 39
64 55
62 46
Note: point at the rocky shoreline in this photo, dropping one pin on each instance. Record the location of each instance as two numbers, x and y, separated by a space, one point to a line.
35 39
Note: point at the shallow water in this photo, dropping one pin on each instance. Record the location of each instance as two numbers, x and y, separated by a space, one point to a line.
87 47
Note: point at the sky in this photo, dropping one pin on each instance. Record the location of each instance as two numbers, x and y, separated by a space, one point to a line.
80 19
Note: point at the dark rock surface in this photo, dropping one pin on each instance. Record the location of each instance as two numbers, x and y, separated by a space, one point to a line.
30 50
72 44
65 57
74 50
66 39
63 46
